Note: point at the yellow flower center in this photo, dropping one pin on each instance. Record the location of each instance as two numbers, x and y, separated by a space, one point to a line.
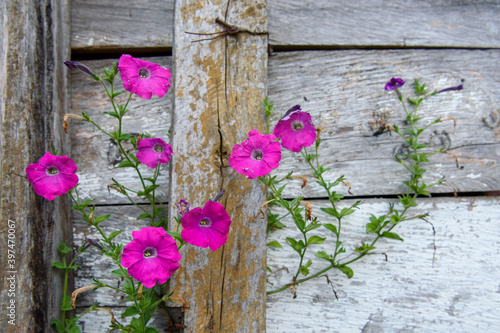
143 73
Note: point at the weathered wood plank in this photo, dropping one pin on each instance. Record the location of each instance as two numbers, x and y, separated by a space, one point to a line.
344 92
219 88
33 97
93 151
144 24
114 25
398 23
454 289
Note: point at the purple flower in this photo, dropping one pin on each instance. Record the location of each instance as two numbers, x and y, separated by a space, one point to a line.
460 87
153 151
394 83
182 207
295 130
152 257
52 175
256 156
207 227
80 66
143 78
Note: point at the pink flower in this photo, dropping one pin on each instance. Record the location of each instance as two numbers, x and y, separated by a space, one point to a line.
295 130
206 227
153 151
256 156
143 78
52 175
152 257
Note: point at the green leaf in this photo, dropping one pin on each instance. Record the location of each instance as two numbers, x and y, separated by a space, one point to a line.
364 248
101 218
331 211
346 211
151 330
275 244
59 326
176 235
58 264
299 222
144 216
114 234
66 304
63 249
74 329
297 246
118 273
331 227
371 227
323 255
125 164
391 235
118 93
346 270
112 113
315 240
130 311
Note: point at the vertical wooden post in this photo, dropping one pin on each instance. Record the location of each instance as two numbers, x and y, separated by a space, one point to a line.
34 42
219 88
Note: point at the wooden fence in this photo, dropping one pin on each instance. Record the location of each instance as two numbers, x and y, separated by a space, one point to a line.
331 57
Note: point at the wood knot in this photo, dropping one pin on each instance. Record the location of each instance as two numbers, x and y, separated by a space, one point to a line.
492 119
441 140
402 151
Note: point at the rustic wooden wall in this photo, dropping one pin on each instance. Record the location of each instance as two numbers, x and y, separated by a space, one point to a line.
334 58
33 97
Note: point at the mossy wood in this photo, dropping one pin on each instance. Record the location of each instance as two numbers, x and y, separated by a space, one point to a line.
218 93
33 98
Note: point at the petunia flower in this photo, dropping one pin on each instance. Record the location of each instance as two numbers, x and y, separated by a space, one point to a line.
143 78
295 130
52 175
460 87
207 227
257 156
80 66
182 207
394 83
152 257
153 151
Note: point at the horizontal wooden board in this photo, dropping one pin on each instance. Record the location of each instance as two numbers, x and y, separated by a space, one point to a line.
148 24
94 153
344 93
442 282
399 23
109 24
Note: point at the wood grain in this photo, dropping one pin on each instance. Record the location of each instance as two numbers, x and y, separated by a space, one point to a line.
399 23
94 153
148 24
219 88
115 25
453 288
33 97
344 93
